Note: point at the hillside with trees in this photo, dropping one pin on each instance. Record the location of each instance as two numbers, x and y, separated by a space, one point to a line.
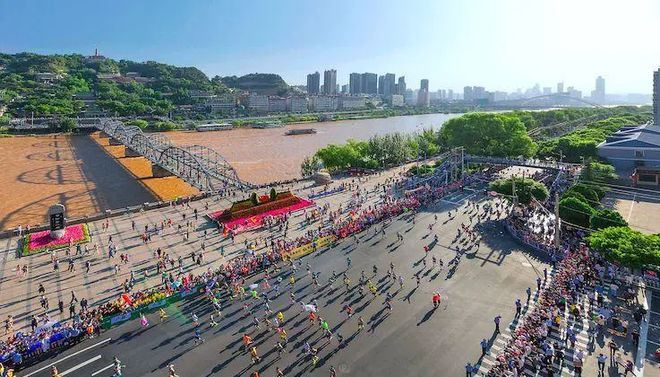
46 85
261 83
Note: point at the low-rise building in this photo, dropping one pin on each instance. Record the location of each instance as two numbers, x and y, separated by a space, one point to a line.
47 77
258 103
276 104
351 103
632 147
221 103
297 104
323 103
199 94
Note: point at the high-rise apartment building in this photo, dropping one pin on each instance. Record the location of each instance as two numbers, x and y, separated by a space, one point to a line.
560 87
369 83
467 94
330 81
389 83
423 97
313 83
598 95
381 84
355 83
479 93
401 85
656 97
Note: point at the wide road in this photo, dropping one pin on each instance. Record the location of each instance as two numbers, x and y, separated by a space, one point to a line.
412 340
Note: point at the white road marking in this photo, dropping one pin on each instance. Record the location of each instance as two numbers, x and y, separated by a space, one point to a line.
69 356
93 359
101 370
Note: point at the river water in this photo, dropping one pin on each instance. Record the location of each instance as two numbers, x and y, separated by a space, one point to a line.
267 155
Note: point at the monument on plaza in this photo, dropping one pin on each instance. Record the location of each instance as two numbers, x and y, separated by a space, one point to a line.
57 221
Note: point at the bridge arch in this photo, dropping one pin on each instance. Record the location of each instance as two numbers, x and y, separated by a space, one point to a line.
559 96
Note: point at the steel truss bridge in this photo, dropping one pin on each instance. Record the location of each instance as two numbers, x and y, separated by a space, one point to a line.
200 166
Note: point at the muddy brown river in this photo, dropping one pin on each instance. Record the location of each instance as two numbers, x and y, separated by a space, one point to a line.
266 155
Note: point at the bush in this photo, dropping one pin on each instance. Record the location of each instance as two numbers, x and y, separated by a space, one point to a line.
574 194
575 211
588 193
165 126
606 218
599 172
273 193
141 123
254 199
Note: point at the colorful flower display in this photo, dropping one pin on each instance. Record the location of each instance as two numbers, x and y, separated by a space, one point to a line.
38 242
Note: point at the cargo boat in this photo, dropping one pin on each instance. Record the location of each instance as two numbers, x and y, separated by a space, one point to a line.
300 131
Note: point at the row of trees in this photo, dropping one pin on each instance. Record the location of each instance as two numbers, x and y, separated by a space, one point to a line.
379 151
154 126
489 134
583 143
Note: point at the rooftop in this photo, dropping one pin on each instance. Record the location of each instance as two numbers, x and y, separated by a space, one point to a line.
644 136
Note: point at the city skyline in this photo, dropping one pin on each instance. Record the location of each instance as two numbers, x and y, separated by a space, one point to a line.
465 44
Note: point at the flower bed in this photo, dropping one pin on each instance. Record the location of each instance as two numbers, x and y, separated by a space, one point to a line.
244 208
38 242
244 224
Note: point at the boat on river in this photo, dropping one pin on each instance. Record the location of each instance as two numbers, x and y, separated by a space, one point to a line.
300 131
214 127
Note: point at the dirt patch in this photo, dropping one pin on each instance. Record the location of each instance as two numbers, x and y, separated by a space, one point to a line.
73 170
165 189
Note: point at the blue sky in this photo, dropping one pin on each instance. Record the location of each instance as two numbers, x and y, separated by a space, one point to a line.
500 44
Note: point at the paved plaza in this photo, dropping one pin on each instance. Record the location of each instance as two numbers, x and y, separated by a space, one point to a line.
413 339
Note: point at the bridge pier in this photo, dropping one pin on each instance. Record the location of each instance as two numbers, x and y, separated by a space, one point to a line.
158 172
128 152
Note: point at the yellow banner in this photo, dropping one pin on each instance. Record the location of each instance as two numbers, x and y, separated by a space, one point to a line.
301 251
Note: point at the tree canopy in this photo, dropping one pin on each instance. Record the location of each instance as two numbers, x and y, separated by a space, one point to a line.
606 218
626 246
575 211
489 134
387 150
165 85
526 189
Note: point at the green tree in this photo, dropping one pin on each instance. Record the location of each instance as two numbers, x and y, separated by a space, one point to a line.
526 189
575 211
67 125
626 246
310 165
605 218
141 123
598 172
253 199
588 193
273 193
488 134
